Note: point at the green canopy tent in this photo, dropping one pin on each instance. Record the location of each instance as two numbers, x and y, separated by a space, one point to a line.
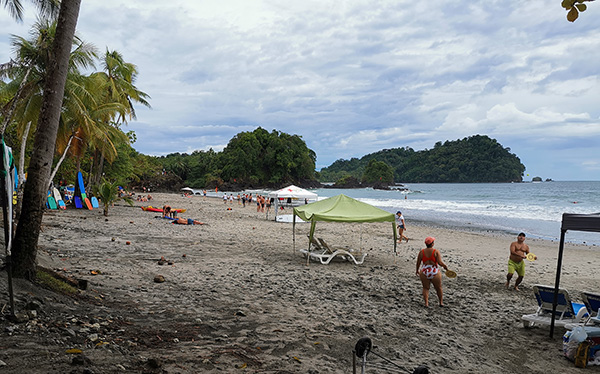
340 208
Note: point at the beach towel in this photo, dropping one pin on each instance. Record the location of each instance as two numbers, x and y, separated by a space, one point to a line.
581 356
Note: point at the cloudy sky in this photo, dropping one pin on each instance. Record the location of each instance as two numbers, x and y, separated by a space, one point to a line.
355 77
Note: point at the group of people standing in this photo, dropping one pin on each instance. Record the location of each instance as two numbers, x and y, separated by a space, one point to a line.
429 261
263 203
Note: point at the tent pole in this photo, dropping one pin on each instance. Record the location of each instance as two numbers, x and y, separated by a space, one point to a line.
360 248
395 240
294 232
557 282
310 239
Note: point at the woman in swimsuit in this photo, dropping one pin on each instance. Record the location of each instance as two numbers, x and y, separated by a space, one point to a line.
401 225
428 263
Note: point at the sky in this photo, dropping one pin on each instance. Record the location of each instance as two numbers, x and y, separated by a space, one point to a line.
355 77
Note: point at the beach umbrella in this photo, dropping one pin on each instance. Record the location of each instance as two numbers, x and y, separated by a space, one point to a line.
576 222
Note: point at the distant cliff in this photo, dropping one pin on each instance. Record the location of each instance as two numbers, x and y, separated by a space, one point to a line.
476 159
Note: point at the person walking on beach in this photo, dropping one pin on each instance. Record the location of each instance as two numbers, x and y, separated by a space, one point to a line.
518 252
429 261
401 225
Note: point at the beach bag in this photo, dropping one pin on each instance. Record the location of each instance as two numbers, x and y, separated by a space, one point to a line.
581 356
570 346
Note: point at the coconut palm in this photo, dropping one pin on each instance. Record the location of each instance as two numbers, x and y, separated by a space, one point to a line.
108 194
119 87
46 8
28 72
24 251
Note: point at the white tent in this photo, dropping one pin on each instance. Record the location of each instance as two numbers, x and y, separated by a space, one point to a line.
291 196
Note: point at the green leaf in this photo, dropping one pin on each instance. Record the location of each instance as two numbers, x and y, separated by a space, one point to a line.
572 15
567 4
581 7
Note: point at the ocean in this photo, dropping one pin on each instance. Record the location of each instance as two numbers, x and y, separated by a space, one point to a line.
533 208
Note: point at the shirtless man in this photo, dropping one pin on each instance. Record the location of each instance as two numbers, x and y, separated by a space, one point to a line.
189 221
166 211
518 252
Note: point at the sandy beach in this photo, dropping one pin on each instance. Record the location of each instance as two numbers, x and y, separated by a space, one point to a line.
237 297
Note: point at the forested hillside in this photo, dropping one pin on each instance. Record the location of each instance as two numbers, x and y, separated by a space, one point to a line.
251 159
470 160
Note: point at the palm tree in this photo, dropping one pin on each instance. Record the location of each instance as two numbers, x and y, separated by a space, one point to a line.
24 251
28 72
46 8
108 194
119 87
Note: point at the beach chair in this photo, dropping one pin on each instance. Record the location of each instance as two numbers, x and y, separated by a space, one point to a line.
346 253
317 252
592 304
567 312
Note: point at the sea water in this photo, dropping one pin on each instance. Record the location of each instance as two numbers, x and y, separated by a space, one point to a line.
533 208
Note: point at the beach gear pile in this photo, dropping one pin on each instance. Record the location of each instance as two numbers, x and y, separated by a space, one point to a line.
584 350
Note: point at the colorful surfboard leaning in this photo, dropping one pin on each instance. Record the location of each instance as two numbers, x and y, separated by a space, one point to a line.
81 195
94 202
81 185
77 201
51 202
58 198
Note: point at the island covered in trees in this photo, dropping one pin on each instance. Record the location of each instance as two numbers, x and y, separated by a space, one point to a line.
476 159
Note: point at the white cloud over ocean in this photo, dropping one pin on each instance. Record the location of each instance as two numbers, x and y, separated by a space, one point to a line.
354 77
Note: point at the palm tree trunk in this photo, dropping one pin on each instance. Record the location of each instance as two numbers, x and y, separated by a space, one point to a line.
28 228
62 158
99 169
21 171
92 164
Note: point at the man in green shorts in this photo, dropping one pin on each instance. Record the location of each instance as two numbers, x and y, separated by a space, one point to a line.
518 252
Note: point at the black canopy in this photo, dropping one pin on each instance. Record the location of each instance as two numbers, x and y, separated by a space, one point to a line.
577 222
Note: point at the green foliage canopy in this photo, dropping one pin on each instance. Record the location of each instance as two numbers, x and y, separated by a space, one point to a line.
378 171
256 158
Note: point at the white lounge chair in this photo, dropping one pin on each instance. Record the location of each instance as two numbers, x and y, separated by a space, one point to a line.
317 252
346 253
325 254
567 312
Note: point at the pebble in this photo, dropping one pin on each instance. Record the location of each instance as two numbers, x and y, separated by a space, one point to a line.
71 332
154 363
2 363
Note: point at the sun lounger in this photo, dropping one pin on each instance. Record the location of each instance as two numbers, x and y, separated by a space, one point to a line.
592 304
346 253
317 252
567 312
323 253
